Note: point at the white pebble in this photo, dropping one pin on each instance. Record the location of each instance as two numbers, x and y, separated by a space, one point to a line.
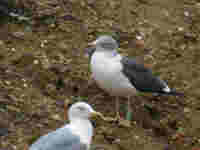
25 85
36 62
42 45
13 49
138 37
186 13
180 28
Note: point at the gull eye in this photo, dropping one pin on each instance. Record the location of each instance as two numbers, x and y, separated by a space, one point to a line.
107 45
81 108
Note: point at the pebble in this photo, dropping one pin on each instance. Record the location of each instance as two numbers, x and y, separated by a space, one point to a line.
136 137
56 117
8 82
186 110
180 28
117 141
199 140
186 13
1 42
36 62
19 35
13 49
45 41
25 85
42 45
138 37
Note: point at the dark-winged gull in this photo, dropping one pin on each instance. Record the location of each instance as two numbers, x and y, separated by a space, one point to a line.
120 75
76 135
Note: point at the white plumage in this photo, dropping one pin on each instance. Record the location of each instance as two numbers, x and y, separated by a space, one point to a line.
107 71
77 135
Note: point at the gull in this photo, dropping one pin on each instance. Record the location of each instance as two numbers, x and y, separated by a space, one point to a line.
7 9
77 135
122 76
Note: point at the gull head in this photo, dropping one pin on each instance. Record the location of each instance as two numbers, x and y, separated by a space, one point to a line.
104 42
82 110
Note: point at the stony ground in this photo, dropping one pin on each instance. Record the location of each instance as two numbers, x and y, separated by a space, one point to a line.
42 68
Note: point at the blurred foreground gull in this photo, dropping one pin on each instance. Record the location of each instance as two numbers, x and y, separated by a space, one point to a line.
122 76
9 8
76 135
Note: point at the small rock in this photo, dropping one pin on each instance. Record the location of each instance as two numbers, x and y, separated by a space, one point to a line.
19 35
56 117
8 82
199 140
138 37
186 13
180 28
25 85
36 62
186 110
136 137
117 141
13 49
45 41
1 42
42 45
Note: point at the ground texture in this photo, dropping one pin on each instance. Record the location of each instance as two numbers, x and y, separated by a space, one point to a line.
43 68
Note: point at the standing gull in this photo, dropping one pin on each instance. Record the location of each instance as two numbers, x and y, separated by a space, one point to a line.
122 76
76 135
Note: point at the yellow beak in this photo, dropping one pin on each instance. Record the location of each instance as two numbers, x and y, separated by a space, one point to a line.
92 43
95 114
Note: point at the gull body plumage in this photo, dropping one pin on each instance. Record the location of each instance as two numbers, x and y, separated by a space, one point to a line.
107 71
77 135
122 76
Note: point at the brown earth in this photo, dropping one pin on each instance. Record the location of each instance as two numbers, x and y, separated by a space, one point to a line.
42 67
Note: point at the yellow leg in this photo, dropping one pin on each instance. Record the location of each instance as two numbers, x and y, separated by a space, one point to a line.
129 110
117 108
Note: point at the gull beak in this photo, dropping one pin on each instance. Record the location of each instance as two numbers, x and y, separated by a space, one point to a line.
92 43
95 115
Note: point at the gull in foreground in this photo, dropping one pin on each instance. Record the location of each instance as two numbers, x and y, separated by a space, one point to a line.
122 76
76 135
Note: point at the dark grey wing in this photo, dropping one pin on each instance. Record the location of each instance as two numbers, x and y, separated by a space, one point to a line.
141 77
61 139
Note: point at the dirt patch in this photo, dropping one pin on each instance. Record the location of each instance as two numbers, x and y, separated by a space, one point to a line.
42 66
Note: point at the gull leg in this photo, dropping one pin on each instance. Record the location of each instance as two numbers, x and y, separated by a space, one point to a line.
117 108
65 111
129 110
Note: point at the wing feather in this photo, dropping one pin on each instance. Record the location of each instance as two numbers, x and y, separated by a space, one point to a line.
61 139
141 77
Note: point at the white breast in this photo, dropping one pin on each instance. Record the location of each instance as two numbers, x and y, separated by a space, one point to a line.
84 129
107 71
